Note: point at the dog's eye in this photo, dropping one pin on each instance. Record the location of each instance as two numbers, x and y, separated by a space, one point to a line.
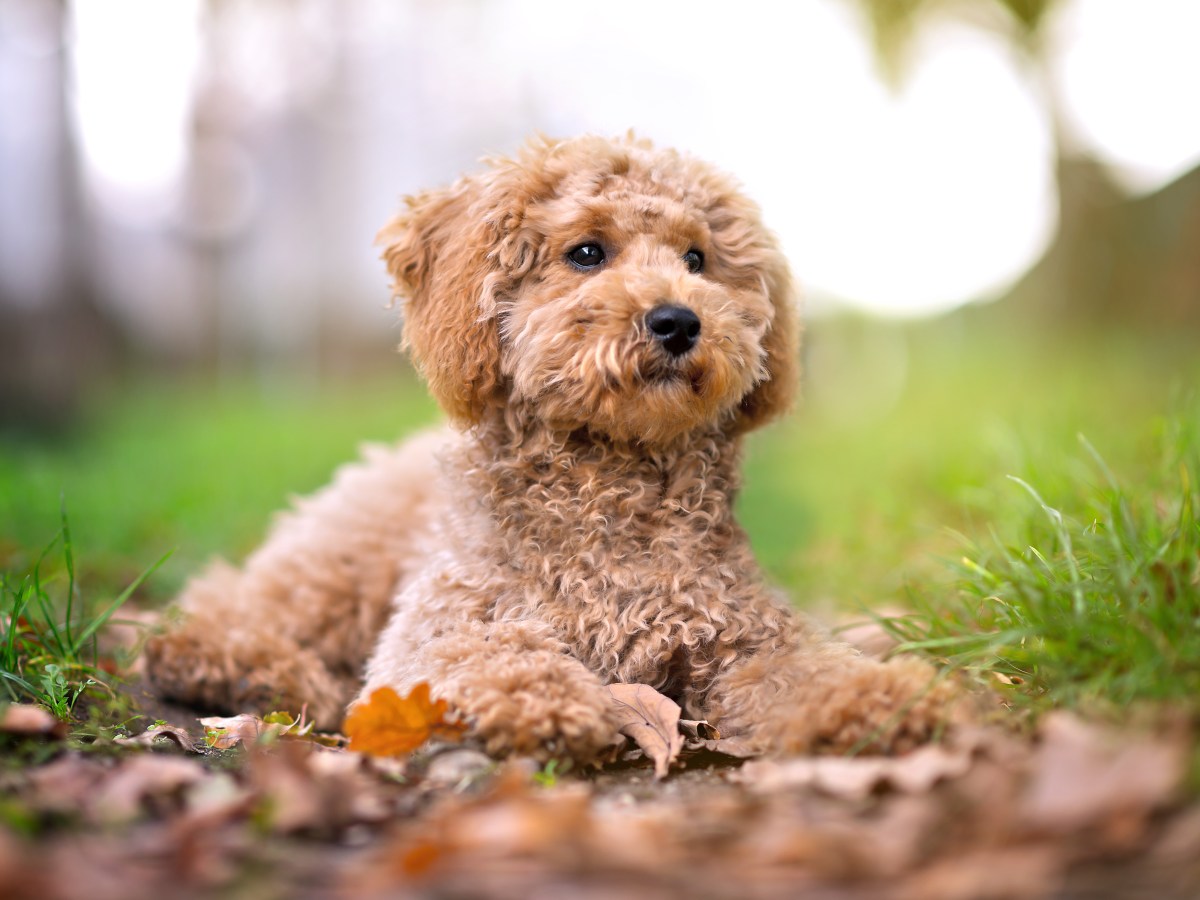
694 260
587 256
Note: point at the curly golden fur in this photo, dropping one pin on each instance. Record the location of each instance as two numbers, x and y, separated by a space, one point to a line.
577 528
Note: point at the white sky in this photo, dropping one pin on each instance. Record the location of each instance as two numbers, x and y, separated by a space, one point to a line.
905 202
134 66
1130 71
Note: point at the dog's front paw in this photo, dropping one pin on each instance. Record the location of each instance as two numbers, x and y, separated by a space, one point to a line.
542 705
874 707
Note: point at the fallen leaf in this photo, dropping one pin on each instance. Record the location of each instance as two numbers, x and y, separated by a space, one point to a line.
60 786
736 747
292 726
856 778
1180 840
292 799
847 778
159 735
1004 874
698 729
120 797
651 721
458 768
1084 774
918 771
1009 680
302 728
869 635
388 724
30 721
302 787
222 733
217 798
480 838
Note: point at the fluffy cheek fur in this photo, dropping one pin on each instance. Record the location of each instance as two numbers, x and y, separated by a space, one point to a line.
580 355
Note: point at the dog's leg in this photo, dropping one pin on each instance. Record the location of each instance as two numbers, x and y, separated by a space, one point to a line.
296 624
515 682
239 648
803 693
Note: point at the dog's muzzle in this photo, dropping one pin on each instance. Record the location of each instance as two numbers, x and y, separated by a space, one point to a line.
675 327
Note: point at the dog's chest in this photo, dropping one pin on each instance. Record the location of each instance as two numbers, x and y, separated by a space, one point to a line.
618 517
638 564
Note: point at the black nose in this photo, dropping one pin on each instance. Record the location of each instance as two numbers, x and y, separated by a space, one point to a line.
675 327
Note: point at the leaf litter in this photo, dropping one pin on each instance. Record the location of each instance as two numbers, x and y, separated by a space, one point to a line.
250 805
651 721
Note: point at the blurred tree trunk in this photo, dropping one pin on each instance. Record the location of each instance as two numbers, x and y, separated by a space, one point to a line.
55 338
1116 259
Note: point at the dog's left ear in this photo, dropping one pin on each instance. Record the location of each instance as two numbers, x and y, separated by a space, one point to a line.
774 396
453 254
751 255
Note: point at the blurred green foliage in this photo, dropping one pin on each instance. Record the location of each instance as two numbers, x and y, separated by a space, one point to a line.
191 467
893 24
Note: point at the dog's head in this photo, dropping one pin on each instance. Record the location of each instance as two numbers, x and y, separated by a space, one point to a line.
597 284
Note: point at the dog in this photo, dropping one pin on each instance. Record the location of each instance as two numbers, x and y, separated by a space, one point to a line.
602 321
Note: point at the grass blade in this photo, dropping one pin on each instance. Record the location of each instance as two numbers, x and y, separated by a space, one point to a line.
1064 537
98 621
69 560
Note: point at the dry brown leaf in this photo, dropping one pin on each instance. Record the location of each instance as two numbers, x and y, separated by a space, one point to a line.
651 721
918 771
217 798
159 735
856 778
222 733
1083 774
1014 873
699 730
1180 840
302 786
293 799
736 747
59 786
389 725
458 768
868 635
510 825
119 798
352 780
30 721
848 778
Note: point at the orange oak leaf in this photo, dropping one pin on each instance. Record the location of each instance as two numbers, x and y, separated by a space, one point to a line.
388 724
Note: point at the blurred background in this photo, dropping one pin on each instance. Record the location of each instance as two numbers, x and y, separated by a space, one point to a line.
993 206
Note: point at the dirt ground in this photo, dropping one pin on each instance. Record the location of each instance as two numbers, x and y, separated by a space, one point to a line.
1076 810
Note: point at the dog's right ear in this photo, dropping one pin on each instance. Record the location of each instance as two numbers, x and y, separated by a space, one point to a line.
452 255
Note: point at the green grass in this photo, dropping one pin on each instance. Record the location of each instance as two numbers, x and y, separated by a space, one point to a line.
48 648
1092 602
